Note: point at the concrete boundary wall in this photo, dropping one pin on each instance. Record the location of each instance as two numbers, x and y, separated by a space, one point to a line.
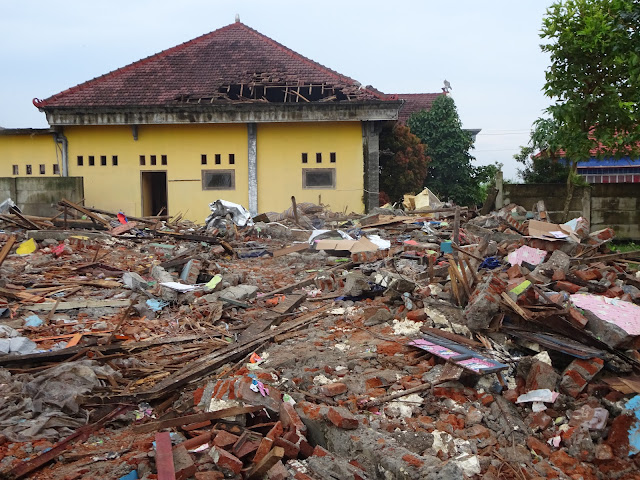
615 205
39 196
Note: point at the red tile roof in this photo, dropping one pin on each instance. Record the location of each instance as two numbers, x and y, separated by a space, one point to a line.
235 54
414 102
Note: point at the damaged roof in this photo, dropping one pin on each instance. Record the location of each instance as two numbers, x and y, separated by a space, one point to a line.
232 64
413 103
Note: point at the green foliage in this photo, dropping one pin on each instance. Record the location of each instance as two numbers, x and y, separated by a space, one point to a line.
403 163
594 76
537 158
451 174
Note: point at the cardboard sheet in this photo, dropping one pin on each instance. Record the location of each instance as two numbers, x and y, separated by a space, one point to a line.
551 231
352 246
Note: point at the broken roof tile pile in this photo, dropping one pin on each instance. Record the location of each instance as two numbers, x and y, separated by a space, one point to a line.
312 345
233 63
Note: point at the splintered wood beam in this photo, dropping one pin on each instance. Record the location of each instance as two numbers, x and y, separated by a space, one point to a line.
7 248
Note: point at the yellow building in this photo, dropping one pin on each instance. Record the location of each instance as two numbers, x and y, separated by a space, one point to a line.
229 115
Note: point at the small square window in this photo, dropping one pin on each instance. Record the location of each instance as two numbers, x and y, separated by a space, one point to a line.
232 158
28 169
103 160
152 159
16 170
318 178
203 159
92 160
142 160
163 159
56 169
218 158
80 160
318 158
218 179
43 169
305 158
114 160
332 157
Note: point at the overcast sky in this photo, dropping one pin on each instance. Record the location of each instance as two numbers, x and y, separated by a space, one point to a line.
489 51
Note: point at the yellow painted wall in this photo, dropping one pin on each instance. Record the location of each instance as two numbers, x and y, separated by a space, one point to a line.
118 188
280 148
27 149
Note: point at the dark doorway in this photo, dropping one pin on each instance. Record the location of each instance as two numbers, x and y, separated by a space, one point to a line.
154 193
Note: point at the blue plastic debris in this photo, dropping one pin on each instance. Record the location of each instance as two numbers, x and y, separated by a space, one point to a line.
156 305
490 263
445 247
634 430
132 475
33 321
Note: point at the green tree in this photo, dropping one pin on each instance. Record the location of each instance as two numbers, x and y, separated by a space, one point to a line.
451 173
540 163
403 163
594 78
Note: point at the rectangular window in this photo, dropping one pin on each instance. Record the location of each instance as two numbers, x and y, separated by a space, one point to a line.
92 160
218 158
114 160
218 179
28 169
152 159
43 169
305 158
203 159
318 178
142 160
318 158
332 156
103 160
56 169
16 170
80 160
232 158
163 159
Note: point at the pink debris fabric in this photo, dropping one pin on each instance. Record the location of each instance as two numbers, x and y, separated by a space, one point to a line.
534 256
625 315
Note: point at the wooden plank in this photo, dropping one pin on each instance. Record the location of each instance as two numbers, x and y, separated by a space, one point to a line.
78 304
164 457
606 258
196 418
514 306
88 213
7 248
297 247
289 303
18 214
261 468
23 296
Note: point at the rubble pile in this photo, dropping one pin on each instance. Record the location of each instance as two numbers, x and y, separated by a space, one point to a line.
436 343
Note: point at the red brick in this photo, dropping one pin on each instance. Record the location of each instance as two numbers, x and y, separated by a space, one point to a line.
539 447
333 389
618 438
417 315
263 449
389 348
210 475
563 460
576 318
225 439
413 460
587 275
318 451
539 420
183 463
290 418
374 382
275 431
278 472
342 418
558 275
306 450
567 286
514 272
291 450
486 399
224 459
477 431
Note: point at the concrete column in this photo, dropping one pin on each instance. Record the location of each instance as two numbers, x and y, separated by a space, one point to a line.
500 188
371 156
586 203
252 145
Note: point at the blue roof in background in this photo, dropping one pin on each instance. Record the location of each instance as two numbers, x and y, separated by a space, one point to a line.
610 162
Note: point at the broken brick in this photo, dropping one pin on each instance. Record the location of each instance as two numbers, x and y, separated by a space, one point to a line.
224 459
342 418
333 389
